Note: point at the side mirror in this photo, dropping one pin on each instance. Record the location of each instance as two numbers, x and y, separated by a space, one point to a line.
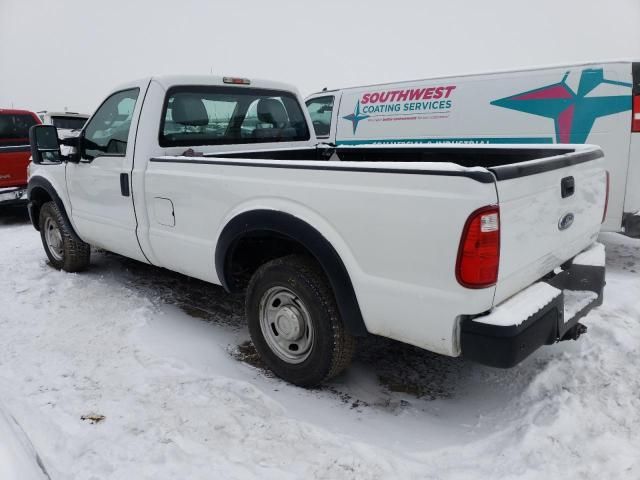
45 146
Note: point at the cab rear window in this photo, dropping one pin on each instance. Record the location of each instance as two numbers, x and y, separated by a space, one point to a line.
14 128
230 115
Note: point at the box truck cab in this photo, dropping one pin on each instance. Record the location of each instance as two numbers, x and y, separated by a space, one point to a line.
583 103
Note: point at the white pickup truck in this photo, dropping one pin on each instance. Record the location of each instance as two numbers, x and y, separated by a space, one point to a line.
484 252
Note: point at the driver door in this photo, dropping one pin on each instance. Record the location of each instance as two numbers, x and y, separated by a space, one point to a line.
99 184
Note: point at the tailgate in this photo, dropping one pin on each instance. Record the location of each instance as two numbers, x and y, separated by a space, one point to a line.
550 210
13 165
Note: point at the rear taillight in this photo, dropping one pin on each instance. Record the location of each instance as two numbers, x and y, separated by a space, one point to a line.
479 251
606 198
635 119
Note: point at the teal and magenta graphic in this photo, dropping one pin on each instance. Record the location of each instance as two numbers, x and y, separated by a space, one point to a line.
355 117
573 113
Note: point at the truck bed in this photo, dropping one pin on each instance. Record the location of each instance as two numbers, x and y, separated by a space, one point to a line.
489 157
410 213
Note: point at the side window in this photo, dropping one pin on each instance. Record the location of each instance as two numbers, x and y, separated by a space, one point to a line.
320 111
108 131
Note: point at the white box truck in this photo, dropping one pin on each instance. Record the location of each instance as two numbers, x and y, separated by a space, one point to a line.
595 103
65 122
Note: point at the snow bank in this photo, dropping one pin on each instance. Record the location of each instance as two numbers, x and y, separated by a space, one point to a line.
18 460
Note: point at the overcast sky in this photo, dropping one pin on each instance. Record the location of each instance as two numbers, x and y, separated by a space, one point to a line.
71 53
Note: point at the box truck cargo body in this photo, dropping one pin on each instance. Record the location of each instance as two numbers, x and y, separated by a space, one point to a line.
586 103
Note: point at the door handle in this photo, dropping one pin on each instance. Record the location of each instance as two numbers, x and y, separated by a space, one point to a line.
124 184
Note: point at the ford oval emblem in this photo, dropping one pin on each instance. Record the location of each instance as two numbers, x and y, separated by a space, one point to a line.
565 221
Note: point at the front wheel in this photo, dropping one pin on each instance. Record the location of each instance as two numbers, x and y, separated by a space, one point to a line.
65 251
294 321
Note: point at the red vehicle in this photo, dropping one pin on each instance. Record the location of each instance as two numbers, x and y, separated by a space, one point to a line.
14 153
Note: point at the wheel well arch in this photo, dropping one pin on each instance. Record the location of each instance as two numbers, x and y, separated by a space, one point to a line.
38 196
39 192
252 238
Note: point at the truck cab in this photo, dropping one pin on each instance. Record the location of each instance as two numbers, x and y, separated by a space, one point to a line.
14 154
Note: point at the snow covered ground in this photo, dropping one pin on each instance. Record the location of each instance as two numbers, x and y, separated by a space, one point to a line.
163 359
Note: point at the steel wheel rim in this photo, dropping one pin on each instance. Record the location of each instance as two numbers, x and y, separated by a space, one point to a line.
286 325
53 237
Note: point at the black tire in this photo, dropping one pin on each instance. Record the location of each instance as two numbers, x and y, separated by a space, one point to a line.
73 254
332 347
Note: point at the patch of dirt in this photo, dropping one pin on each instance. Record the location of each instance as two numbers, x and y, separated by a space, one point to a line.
247 353
346 398
93 418
408 370
197 298
402 370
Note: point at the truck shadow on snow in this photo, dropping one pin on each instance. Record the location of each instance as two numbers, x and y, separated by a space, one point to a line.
399 368
389 374
13 215
400 371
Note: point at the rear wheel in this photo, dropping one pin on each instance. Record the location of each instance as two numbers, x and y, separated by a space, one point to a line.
64 249
294 321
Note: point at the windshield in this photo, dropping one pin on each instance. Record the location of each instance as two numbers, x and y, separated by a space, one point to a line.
14 128
230 115
71 123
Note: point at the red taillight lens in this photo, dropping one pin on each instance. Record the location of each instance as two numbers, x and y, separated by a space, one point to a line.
635 119
606 199
479 252
236 80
